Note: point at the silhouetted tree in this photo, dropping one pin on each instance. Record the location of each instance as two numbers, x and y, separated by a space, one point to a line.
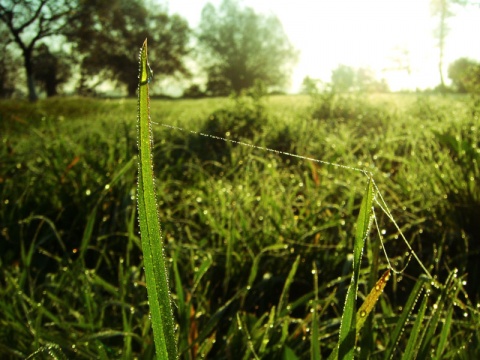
465 75
193 92
241 46
107 34
8 70
51 70
30 21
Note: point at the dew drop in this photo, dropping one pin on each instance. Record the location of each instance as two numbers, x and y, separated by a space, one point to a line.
363 313
150 73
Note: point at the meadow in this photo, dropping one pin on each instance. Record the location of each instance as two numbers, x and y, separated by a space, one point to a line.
259 242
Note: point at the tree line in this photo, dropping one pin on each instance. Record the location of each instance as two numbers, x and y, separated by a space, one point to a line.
91 41
87 42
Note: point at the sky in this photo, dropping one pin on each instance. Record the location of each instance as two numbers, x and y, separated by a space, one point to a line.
363 33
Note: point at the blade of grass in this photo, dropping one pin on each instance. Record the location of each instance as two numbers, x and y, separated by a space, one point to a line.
267 333
415 339
314 340
346 343
152 242
444 334
282 307
400 324
436 313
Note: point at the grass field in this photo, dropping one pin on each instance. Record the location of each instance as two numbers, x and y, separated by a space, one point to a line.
259 242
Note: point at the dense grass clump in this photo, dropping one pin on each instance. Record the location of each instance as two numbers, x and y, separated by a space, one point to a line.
259 243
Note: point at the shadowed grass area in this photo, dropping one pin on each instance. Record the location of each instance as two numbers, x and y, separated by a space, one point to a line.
240 224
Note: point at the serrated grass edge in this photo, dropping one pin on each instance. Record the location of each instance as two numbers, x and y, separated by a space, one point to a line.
150 231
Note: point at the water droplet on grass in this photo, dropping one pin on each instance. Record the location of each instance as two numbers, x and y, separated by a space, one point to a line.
149 73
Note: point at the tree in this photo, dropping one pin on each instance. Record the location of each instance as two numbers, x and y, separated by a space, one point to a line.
442 10
309 86
106 35
51 70
366 81
343 78
465 75
30 21
8 71
346 78
241 47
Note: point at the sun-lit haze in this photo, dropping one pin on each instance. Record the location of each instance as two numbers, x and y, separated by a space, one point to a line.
389 36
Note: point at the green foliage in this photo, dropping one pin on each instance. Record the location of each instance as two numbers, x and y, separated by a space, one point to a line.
243 47
30 22
104 38
257 246
353 111
243 120
465 75
152 243
348 328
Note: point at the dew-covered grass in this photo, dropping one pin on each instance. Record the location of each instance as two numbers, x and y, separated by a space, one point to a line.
259 243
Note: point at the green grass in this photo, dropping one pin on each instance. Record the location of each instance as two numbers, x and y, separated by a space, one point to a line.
156 273
258 243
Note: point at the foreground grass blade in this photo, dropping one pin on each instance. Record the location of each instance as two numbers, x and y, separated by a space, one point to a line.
314 341
407 310
415 339
346 342
152 245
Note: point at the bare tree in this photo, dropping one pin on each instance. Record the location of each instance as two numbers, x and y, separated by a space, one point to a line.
30 21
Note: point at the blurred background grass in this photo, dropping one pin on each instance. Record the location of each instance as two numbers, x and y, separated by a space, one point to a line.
234 220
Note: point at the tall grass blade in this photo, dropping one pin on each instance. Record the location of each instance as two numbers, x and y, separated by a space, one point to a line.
314 340
414 340
286 288
346 343
444 334
152 244
434 318
400 324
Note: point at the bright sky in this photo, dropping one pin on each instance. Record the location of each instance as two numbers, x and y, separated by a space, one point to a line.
363 33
